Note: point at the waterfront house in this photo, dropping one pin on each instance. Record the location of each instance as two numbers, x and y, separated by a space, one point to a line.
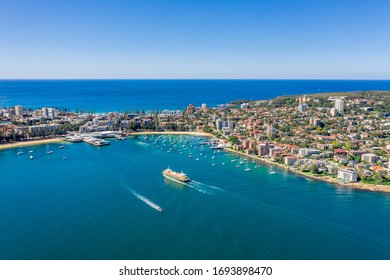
348 175
290 160
378 169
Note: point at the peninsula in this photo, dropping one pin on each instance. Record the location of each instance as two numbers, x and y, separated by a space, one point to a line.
341 138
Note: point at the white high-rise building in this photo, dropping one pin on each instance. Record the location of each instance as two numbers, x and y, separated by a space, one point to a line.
339 105
302 107
51 113
18 110
221 125
45 112
230 124
218 124
334 112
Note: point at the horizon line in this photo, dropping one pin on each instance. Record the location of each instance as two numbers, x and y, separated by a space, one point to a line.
194 79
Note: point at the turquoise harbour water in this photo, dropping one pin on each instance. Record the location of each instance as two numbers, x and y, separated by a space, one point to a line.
92 206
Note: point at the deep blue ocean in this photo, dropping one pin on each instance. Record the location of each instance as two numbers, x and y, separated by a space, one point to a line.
92 206
124 95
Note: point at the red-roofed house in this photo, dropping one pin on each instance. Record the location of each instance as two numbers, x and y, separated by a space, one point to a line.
340 152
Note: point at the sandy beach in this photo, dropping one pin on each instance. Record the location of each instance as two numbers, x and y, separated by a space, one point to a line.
204 134
29 143
334 181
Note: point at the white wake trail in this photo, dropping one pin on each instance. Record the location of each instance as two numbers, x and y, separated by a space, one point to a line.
146 200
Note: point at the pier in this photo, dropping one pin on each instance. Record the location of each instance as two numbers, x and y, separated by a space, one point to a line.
95 139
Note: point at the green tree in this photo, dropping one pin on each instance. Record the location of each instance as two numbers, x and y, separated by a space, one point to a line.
233 140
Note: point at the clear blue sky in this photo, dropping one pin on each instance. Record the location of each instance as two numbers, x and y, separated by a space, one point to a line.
195 39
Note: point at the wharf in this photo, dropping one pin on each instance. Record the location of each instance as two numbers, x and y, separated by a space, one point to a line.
95 139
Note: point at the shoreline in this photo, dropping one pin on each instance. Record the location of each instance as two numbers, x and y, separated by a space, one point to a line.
326 179
204 134
29 143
